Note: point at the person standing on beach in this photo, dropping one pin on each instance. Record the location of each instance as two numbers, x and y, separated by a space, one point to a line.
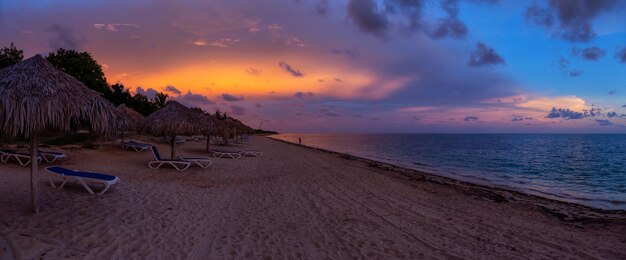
299 140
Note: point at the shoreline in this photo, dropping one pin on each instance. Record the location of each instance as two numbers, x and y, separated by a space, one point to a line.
445 180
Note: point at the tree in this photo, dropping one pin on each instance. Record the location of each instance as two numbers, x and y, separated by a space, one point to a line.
10 55
160 99
119 95
81 66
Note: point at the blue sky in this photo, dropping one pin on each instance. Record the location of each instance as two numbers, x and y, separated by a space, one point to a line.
355 65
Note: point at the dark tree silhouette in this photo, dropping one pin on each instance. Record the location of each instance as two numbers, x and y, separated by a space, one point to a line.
81 66
10 55
160 99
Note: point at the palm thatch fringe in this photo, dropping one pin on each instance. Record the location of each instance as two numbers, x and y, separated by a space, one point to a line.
38 97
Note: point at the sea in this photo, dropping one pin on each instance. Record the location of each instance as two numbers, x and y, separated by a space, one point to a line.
588 169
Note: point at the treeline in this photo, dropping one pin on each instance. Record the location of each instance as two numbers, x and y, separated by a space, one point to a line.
83 67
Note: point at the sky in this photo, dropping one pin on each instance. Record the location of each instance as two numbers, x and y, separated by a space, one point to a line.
392 66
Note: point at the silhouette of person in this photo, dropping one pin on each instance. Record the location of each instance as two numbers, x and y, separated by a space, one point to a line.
299 140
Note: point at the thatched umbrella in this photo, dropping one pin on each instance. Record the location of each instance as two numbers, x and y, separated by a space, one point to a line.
172 120
133 119
215 127
37 97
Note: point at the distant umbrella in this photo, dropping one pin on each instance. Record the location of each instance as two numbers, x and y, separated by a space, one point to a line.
133 119
36 97
172 120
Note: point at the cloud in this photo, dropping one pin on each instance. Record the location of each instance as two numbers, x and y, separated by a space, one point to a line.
231 98
592 53
352 54
566 113
603 122
222 43
150 92
237 110
113 27
191 99
612 114
568 19
64 37
172 90
253 71
470 118
294 72
303 94
366 16
331 114
620 55
451 26
484 55
564 66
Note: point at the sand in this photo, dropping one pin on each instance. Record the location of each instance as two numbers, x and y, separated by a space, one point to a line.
291 203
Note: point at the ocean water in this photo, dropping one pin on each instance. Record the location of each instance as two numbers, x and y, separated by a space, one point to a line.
588 169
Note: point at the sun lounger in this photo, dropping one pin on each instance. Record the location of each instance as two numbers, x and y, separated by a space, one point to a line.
202 162
255 153
82 178
158 162
138 147
50 156
22 158
218 153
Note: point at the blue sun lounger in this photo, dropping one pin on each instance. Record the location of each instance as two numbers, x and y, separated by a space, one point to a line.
200 161
50 156
138 147
82 178
220 153
22 158
180 165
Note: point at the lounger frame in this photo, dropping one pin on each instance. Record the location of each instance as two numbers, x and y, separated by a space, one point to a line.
50 157
157 162
202 162
138 147
81 180
221 154
22 158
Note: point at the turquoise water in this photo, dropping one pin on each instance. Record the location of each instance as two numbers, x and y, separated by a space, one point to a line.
580 168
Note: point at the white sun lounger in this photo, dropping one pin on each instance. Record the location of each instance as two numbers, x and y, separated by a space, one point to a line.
222 153
22 158
50 156
255 153
202 162
138 147
158 162
82 178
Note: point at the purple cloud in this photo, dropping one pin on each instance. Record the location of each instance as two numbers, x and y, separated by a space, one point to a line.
172 90
484 55
231 98
294 72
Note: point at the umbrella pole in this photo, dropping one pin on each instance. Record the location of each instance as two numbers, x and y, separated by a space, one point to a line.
173 141
34 174
208 142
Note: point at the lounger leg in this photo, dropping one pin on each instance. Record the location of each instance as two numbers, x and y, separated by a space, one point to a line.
106 187
85 185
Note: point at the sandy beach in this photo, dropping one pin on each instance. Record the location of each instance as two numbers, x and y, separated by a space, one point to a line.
292 203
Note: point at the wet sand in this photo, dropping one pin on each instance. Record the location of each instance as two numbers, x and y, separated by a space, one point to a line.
293 202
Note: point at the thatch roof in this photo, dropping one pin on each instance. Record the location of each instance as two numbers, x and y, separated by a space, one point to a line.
174 119
37 97
133 118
